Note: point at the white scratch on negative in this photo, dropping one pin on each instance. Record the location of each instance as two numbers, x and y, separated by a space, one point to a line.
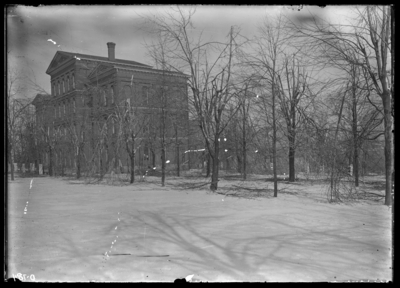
31 184
207 246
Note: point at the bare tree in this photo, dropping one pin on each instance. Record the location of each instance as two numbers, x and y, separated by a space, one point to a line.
369 37
16 106
132 123
241 128
265 62
362 117
209 74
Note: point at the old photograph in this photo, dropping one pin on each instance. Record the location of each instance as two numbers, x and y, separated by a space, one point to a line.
199 143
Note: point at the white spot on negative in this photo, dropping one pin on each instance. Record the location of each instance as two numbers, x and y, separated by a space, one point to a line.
116 227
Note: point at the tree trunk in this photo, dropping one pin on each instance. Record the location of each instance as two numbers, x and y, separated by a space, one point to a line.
388 146
101 166
78 167
355 137
178 163
244 144
291 164
291 158
12 165
51 163
62 167
274 143
215 167
163 166
153 155
240 163
132 160
11 158
208 168
355 167
292 143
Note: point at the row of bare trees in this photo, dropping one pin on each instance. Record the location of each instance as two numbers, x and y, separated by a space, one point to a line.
287 68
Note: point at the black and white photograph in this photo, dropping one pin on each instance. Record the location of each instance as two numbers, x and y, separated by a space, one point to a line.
199 143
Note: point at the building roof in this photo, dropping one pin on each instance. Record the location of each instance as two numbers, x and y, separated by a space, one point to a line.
61 57
93 57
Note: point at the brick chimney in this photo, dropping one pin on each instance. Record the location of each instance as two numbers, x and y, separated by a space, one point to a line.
111 51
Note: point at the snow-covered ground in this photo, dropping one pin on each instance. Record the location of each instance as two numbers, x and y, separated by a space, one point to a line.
145 232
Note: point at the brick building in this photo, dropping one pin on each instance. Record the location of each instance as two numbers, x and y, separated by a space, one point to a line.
80 117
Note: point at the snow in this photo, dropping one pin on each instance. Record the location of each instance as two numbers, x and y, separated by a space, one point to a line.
154 233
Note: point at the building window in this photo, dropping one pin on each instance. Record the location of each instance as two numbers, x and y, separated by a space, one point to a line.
59 88
145 95
54 89
73 105
112 94
103 92
67 83
73 81
63 86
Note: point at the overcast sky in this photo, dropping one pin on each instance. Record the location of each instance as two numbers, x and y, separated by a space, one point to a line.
87 29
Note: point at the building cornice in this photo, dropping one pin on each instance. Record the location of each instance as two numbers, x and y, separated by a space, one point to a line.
151 71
